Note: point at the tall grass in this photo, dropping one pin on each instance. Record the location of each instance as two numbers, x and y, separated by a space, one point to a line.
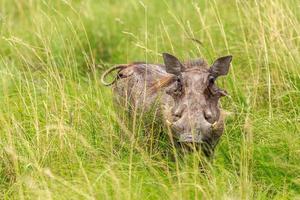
62 138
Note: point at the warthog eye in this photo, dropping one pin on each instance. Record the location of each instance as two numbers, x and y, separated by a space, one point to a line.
177 88
211 85
211 80
213 89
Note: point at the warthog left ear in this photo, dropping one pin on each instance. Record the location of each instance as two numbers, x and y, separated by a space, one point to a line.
220 66
173 65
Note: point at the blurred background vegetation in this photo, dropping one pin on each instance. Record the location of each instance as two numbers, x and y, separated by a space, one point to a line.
62 138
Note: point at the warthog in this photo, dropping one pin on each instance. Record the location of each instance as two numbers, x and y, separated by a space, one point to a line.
187 94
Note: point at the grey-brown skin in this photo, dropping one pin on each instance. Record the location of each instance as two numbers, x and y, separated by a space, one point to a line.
187 96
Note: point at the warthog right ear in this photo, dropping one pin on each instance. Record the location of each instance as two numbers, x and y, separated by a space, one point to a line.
173 65
221 66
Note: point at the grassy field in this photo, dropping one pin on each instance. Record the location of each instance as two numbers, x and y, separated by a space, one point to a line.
62 138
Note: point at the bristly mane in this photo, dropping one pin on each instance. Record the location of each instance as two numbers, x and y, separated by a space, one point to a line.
201 63
161 83
167 80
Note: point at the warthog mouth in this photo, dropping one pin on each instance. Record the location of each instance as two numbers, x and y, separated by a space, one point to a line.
196 142
187 137
198 138
206 143
192 142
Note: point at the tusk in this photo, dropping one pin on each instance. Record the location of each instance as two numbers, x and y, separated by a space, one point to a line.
214 126
168 123
217 125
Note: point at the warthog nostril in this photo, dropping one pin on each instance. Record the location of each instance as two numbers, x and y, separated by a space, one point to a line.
208 115
176 117
177 112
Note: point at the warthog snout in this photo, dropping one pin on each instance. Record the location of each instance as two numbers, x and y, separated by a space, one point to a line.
206 140
207 133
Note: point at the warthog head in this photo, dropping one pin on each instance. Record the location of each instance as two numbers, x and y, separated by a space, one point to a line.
196 117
